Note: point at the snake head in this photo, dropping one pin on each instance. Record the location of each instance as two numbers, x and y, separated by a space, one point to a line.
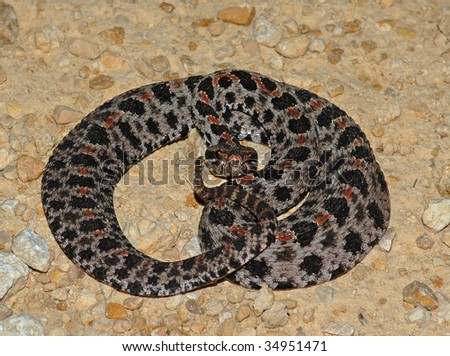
231 161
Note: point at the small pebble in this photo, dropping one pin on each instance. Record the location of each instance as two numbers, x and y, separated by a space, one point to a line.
85 300
443 312
59 294
263 301
5 312
291 26
235 295
335 55
160 64
174 302
21 325
419 294
13 275
325 294
114 35
133 303
101 82
144 68
166 7
5 158
216 28
115 311
122 325
424 242
32 249
84 49
225 51
277 316
293 47
308 315
265 32
437 214
416 315
9 27
29 168
443 130
194 308
276 62
341 329
388 112
386 240
214 307
243 312
227 328
317 45
238 15
48 38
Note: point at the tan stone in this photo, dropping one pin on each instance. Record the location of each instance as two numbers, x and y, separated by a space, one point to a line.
238 15
29 168
115 311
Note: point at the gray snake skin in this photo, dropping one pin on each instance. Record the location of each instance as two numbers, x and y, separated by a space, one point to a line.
319 157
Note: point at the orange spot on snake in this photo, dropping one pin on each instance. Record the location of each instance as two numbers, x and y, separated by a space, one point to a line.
88 213
294 112
110 120
323 219
227 137
285 236
99 233
341 123
83 170
83 190
348 193
301 139
88 149
146 96
239 231
204 98
213 120
245 179
316 104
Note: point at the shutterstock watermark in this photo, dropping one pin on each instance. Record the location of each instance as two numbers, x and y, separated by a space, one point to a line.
180 170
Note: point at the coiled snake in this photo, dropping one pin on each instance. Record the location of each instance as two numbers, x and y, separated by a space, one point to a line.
318 155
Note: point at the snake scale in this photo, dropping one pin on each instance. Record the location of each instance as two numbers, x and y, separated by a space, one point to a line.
321 169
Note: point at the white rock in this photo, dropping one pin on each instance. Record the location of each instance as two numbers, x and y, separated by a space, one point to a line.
276 62
32 249
334 328
5 158
293 47
21 325
214 307
263 301
265 32
276 316
48 38
317 45
13 275
416 315
437 214
325 294
388 112
84 49
386 240
225 51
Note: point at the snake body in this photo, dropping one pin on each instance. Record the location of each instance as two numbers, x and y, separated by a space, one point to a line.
319 158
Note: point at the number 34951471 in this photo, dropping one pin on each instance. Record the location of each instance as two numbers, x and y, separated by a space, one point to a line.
294 346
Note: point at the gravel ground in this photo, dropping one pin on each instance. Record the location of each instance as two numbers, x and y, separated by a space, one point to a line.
385 62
